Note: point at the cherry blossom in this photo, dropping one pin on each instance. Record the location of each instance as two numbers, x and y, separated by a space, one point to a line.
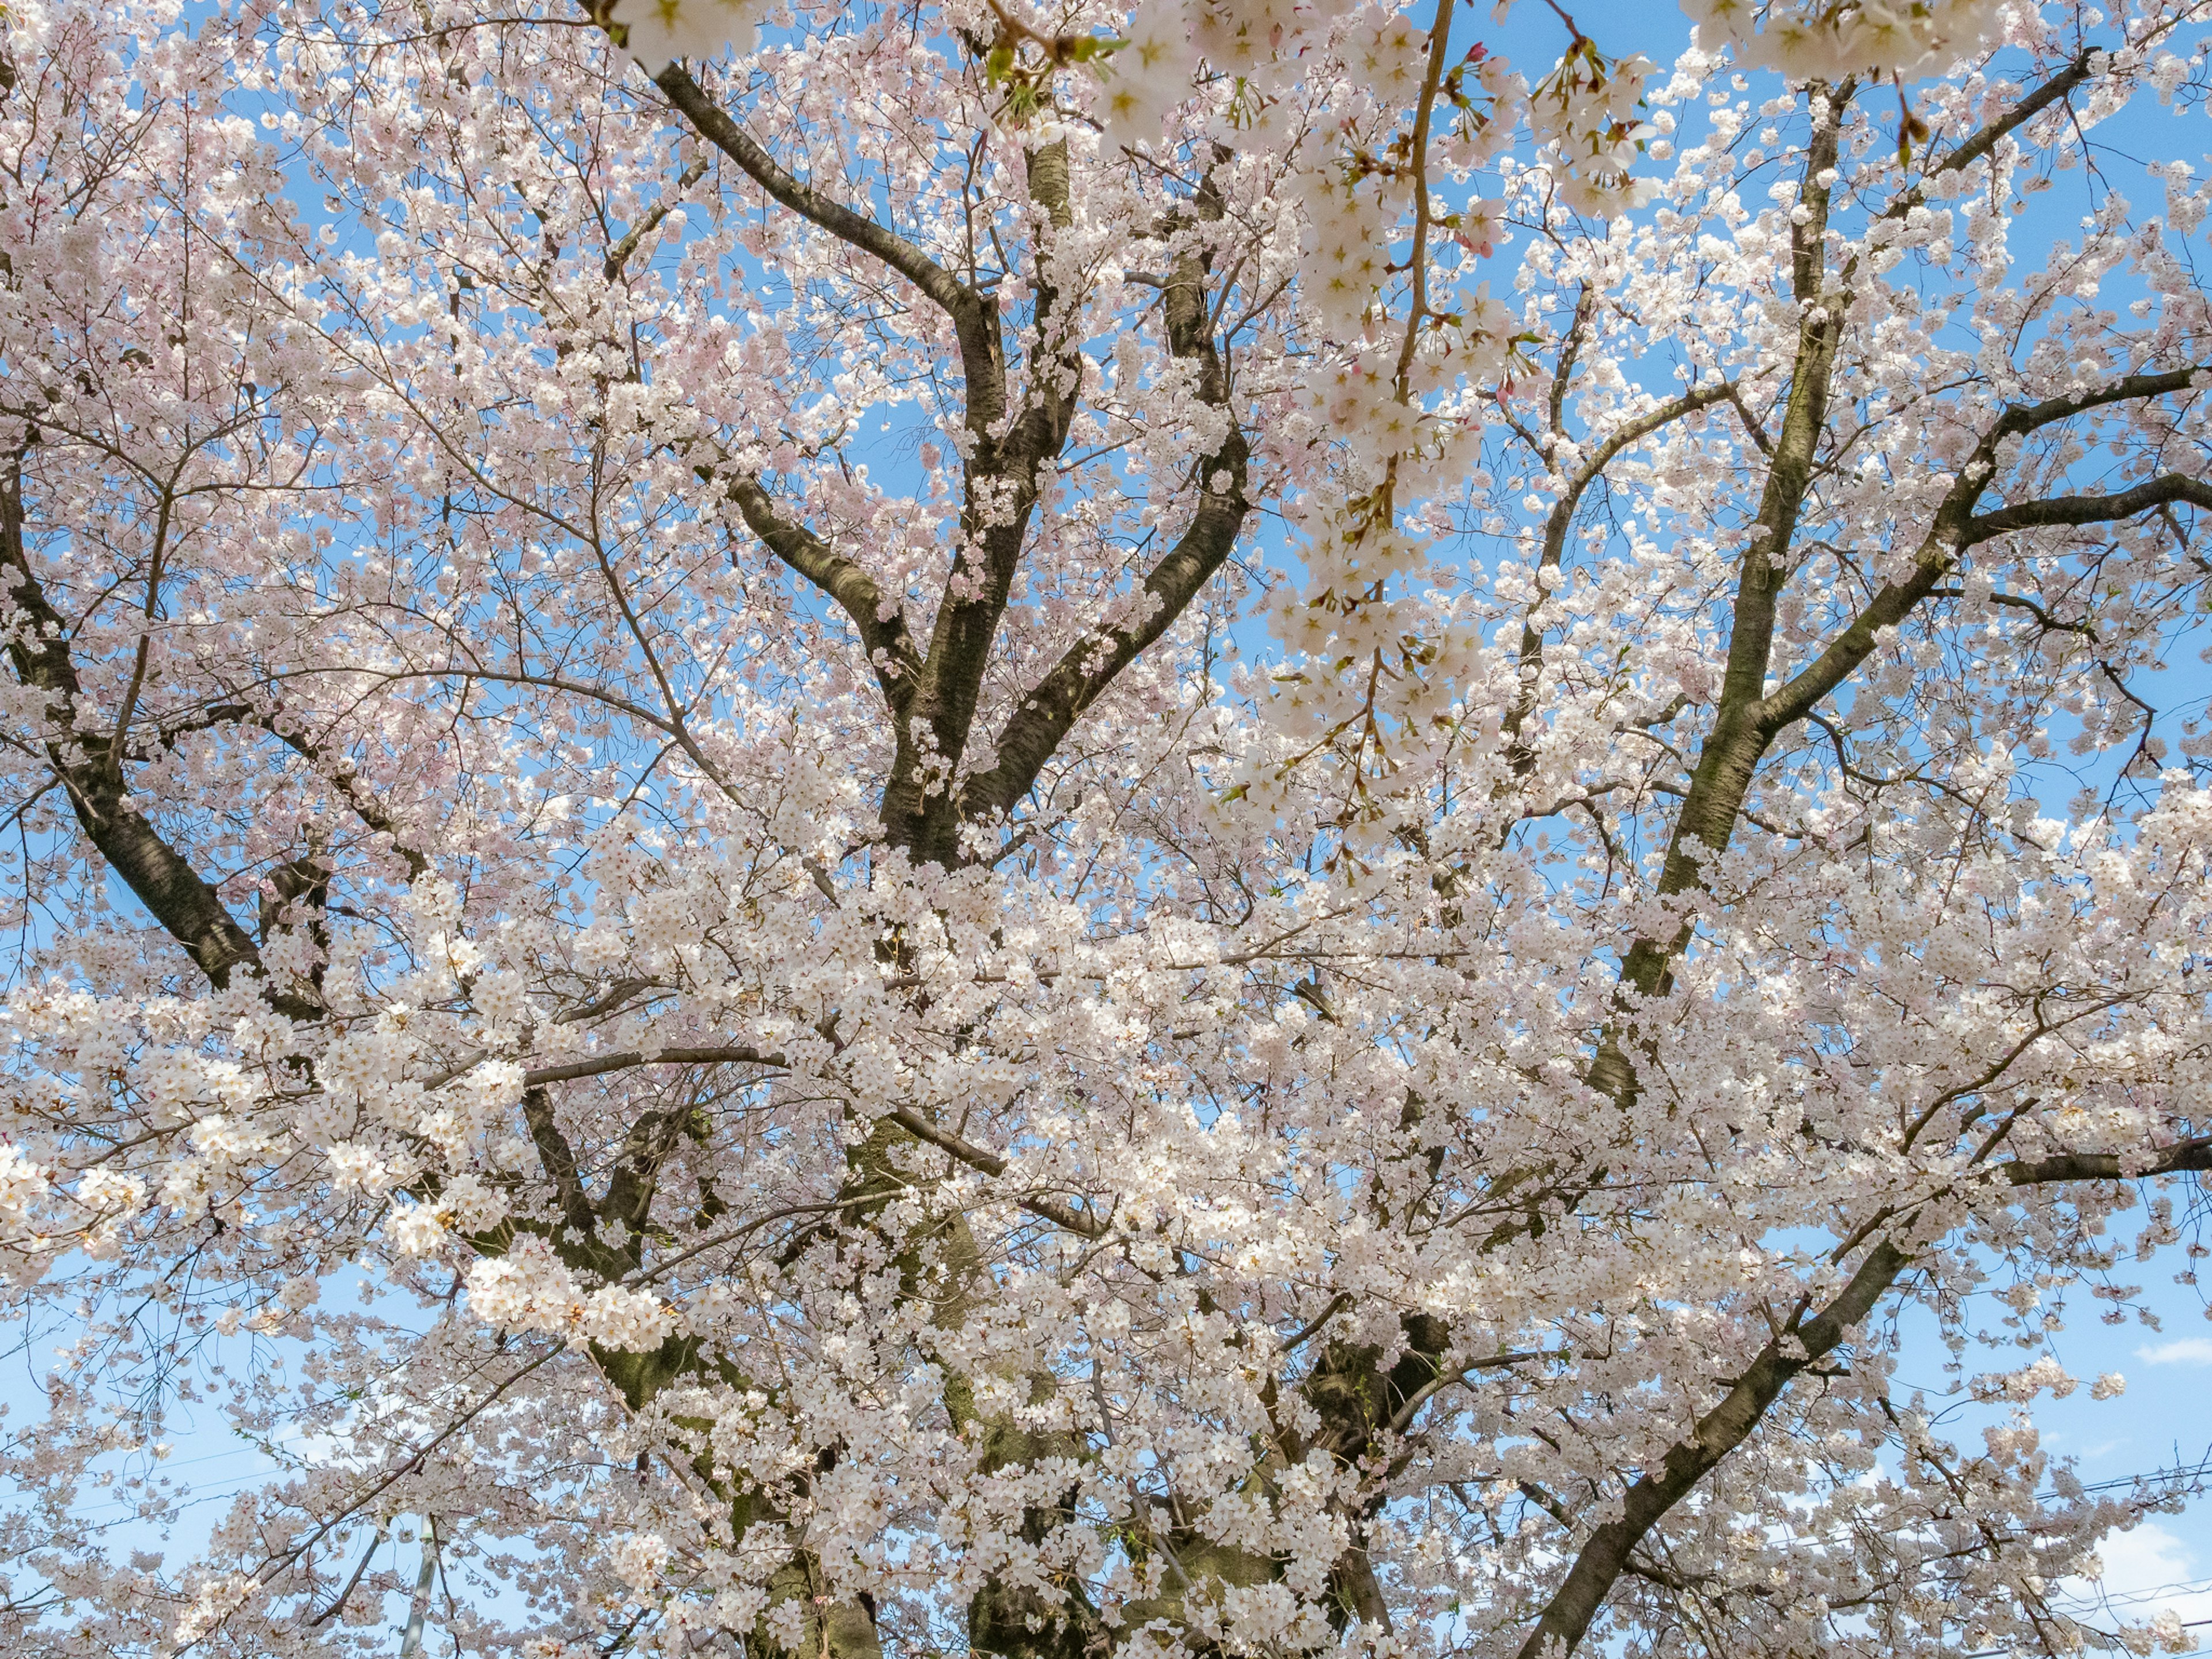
1828 39
661 31
1200 831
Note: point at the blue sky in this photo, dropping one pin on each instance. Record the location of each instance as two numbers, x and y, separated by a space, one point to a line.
2161 1422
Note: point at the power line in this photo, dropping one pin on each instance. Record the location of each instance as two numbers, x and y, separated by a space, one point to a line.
2198 1471
2007 1653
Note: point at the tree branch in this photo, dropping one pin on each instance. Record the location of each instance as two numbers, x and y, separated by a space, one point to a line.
990 1162
2184 1157
1561 519
1955 529
1605 1555
848 226
890 646
1035 729
618 255
89 767
975 319
629 1058
1044 717
2160 491
1972 149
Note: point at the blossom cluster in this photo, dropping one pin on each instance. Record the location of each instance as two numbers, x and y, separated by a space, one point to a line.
1833 39
531 1289
1165 826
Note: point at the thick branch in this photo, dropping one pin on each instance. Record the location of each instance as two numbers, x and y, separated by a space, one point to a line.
1720 1430
1972 149
558 1159
1003 484
848 226
2161 491
1044 717
890 647
89 765
990 1162
1036 728
2182 1158
1955 529
629 1058
975 319
1562 517
1733 750
2020 419
1605 1556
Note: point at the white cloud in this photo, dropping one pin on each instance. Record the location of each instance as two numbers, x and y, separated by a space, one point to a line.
2146 1571
2189 1350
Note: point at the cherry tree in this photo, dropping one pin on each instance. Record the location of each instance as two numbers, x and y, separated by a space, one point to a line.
884 830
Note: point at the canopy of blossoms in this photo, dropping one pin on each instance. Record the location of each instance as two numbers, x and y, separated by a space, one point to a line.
884 830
